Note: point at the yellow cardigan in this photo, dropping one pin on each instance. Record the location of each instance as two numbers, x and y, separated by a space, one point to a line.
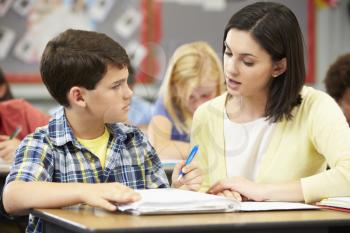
299 149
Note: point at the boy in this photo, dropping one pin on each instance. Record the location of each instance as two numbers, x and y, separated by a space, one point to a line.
60 164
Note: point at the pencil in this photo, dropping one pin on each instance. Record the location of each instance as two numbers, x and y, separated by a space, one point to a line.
15 133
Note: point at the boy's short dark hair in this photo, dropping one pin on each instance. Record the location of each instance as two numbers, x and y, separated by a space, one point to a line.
79 58
131 77
338 77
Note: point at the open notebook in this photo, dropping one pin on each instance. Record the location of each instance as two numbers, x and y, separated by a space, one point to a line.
336 203
172 201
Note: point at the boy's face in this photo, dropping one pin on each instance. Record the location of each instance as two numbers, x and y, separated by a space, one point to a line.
110 100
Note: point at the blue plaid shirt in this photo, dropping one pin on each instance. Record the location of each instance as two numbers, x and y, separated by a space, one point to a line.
52 153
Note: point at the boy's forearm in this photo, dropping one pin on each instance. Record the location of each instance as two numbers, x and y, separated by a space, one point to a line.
20 196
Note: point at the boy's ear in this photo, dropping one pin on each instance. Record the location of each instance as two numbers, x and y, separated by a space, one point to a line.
279 67
76 96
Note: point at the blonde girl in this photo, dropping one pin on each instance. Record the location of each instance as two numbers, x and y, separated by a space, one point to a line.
194 76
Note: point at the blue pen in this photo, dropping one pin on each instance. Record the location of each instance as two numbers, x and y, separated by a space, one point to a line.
189 160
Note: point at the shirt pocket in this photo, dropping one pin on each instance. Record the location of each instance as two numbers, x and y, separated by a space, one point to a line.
130 169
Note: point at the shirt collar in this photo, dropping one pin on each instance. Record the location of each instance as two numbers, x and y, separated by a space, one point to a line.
60 132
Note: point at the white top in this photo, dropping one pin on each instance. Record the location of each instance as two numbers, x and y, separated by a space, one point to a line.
245 144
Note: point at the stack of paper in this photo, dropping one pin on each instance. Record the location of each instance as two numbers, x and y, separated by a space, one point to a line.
171 201
336 203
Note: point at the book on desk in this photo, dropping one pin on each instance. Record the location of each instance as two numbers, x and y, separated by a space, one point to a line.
174 201
336 203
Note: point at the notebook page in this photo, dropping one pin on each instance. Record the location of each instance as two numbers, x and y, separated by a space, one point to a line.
263 206
342 199
169 201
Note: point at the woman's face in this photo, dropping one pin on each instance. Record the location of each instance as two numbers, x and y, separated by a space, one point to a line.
248 67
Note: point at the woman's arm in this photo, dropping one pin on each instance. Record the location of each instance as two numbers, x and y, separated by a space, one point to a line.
329 133
289 191
159 134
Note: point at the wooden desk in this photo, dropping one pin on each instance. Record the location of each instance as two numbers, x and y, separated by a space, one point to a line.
87 219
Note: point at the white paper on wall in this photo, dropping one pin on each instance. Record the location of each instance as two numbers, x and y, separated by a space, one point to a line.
30 47
136 52
25 49
128 22
22 7
217 5
7 37
4 6
99 9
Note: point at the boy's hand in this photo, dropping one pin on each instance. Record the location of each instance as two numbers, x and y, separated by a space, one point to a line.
8 148
192 178
108 195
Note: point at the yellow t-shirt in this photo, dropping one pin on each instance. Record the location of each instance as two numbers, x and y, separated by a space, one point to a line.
98 146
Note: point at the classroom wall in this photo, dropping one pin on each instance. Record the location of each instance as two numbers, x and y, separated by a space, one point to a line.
196 23
187 22
332 37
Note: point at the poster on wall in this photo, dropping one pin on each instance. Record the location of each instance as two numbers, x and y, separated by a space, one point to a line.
27 25
47 23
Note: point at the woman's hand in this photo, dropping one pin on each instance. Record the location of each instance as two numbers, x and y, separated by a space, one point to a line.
239 186
230 194
192 178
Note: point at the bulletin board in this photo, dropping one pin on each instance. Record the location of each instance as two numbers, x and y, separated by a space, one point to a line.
150 30
27 25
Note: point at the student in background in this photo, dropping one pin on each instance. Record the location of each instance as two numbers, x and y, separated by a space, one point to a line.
15 113
86 154
5 90
140 111
194 76
338 83
270 138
